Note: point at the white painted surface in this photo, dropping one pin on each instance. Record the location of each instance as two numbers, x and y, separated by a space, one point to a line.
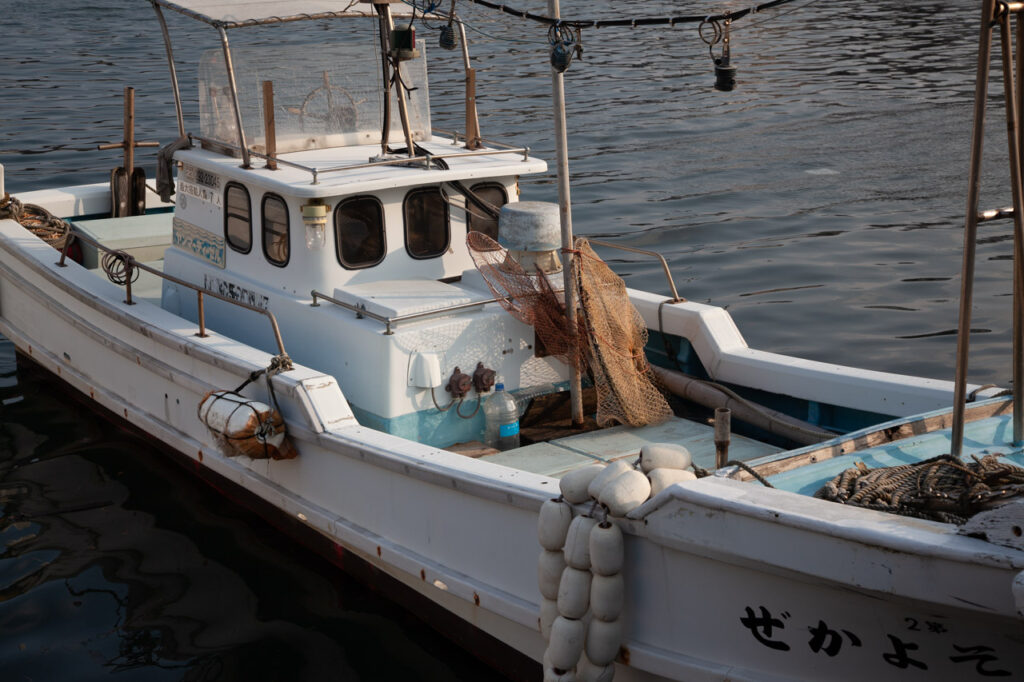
697 555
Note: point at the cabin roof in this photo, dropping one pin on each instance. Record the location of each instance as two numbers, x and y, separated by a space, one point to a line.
298 183
240 13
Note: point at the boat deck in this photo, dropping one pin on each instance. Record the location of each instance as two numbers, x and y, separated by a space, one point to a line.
991 436
559 456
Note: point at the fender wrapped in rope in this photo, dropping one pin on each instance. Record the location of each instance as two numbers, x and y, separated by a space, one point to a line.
245 427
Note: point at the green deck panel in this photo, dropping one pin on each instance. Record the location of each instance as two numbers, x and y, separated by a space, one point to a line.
618 442
993 435
144 237
558 457
546 459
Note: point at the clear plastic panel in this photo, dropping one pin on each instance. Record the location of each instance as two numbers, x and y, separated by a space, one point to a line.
325 95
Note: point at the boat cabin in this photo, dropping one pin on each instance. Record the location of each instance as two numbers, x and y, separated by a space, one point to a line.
356 243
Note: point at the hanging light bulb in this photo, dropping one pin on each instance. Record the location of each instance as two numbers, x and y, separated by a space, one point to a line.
447 39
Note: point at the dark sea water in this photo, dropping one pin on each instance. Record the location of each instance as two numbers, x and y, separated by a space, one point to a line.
821 202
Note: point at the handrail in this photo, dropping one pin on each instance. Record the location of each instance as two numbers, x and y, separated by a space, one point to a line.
130 264
403 161
676 298
361 311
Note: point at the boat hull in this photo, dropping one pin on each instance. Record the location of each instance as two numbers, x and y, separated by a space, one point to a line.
724 580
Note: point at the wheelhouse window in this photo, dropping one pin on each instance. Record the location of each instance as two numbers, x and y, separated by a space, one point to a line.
237 218
275 229
427 232
359 232
478 219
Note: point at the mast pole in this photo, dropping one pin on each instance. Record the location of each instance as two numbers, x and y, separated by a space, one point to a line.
565 216
971 229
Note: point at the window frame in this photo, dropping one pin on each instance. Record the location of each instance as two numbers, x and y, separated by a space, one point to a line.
263 229
228 214
447 221
489 184
338 237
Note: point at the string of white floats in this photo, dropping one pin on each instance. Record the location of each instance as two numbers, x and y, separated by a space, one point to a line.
580 566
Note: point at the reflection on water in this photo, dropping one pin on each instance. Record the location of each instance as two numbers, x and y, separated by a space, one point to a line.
112 560
821 202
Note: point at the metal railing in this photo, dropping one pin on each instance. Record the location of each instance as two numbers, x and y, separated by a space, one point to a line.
131 265
676 298
425 160
361 311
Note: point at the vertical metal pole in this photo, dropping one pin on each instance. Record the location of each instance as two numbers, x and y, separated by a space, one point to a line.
1018 251
723 429
565 214
971 227
472 119
269 125
201 314
174 72
234 96
385 131
129 129
1011 94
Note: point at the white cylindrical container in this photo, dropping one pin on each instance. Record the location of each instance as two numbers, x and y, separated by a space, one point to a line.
548 613
607 596
549 572
575 483
625 492
611 471
603 641
574 593
664 455
663 478
577 543
501 418
553 524
606 549
1 181
566 643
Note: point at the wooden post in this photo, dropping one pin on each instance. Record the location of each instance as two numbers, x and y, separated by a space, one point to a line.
129 129
565 215
472 125
269 129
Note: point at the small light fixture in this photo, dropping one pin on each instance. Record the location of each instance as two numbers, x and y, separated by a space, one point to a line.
314 217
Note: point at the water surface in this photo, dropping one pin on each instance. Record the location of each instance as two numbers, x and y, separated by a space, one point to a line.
821 202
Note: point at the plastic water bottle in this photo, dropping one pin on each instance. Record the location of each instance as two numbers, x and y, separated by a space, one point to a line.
502 419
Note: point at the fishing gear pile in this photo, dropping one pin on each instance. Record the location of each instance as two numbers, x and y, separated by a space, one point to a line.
609 341
940 489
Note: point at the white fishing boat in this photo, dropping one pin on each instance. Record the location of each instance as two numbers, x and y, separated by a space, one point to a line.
316 320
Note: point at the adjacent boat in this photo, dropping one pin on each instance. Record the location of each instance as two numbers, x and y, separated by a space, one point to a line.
308 326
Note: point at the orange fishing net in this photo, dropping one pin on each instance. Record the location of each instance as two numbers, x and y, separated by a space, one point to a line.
610 339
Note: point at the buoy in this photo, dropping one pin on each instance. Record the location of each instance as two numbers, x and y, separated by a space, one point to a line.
548 613
625 492
567 643
553 524
549 572
586 671
607 596
606 549
550 675
577 542
664 455
662 478
575 483
611 471
574 593
603 640
245 427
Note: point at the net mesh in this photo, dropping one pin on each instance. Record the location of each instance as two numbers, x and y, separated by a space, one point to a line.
941 489
610 335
